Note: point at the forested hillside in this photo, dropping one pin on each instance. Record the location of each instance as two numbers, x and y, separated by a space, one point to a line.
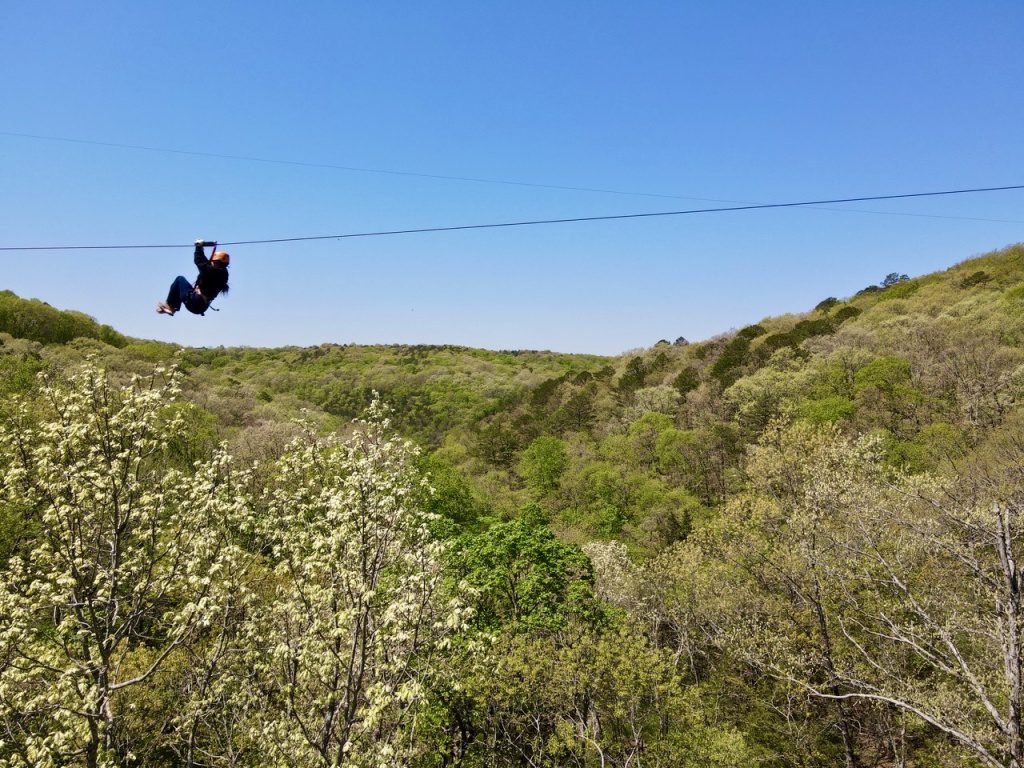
793 545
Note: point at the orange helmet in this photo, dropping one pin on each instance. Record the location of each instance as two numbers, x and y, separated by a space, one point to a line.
221 256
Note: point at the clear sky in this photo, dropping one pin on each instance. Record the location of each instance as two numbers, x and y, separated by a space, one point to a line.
739 101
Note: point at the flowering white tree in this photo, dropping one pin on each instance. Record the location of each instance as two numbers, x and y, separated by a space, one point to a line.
345 648
121 572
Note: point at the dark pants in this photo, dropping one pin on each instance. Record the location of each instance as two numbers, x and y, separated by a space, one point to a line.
182 292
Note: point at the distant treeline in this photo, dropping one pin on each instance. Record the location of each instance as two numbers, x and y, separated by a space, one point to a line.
38 321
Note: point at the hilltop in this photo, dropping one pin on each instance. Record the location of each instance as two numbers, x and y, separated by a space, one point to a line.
903 356
900 357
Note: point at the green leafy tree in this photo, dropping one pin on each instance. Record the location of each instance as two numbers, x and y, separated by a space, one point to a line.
498 442
524 577
687 380
450 498
700 459
633 376
576 414
734 354
892 279
886 396
542 464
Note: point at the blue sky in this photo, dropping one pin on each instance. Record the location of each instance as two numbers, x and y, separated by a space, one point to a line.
741 101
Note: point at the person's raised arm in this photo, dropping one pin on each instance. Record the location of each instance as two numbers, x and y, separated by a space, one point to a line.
200 257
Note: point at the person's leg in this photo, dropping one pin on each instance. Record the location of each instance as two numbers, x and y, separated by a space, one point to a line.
180 288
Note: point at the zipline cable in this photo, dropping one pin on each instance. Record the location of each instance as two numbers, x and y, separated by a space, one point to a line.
532 222
472 179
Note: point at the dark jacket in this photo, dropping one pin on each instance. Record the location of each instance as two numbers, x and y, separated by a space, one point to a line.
212 280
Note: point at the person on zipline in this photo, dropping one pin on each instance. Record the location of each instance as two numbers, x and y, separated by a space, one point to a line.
212 281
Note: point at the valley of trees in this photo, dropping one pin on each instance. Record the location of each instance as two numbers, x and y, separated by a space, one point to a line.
795 545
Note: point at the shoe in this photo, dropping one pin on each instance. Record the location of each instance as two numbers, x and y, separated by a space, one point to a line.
164 309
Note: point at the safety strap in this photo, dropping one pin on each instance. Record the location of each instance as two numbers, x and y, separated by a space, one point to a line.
209 304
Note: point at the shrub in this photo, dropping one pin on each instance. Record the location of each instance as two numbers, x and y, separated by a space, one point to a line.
901 290
884 373
827 409
805 329
777 341
975 278
751 332
845 314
